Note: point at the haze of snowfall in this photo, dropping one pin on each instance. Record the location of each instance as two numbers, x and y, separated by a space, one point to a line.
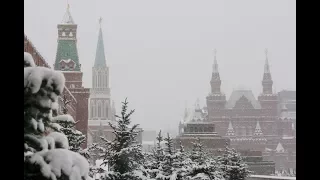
53 146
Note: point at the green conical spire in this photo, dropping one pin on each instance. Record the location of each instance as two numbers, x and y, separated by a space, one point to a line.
100 55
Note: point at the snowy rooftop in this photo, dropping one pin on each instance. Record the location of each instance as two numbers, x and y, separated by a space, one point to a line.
237 94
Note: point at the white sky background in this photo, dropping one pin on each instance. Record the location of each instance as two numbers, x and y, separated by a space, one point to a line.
160 52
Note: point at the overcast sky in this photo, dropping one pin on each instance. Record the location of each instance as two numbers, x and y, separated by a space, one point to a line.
160 53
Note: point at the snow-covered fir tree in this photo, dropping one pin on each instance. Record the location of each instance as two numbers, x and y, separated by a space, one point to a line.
172 165
202 167
46 154
197 154
152 161
232 165
67 127
123 155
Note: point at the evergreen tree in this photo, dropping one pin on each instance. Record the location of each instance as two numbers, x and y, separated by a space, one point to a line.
232 165
75 137
46 154
159 152
197 154
171 165
202 166
123 155
154 160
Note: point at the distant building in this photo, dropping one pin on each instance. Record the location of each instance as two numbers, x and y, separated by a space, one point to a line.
257 165
249 123
287 106
195 125
285 159
101 112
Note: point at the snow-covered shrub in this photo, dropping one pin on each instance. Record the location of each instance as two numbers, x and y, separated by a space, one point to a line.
46 154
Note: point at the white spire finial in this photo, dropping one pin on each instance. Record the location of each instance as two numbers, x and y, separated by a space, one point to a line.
266 66
266 51
215 63
67 18
68 6
100 21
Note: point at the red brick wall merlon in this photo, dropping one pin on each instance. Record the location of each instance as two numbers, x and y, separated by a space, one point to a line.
38 59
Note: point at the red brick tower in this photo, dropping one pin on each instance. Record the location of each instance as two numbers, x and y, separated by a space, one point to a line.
216 100
67 61
267 98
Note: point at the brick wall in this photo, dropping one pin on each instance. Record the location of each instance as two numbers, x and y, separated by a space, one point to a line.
38 59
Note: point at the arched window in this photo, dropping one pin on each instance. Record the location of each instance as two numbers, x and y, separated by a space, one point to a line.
100 80
102 110
93 80
107 109
99 109
107 79
103 80
96 76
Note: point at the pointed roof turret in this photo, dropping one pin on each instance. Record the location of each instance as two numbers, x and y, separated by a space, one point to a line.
258 135
230 131
258 131
67 18
100 59
279 148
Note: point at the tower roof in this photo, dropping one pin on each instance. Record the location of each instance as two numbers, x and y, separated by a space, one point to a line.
279 148
215 70
67 18
237 94
257 131
267 73
100 59
215 63
230 131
